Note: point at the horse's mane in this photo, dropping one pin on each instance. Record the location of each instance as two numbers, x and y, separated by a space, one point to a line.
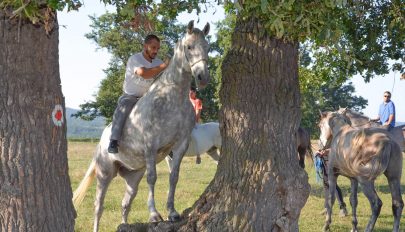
160 75
358 119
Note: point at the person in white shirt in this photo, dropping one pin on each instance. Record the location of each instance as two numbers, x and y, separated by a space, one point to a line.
140 71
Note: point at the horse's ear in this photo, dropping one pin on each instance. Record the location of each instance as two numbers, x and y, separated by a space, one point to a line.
206 29
190 27
322 114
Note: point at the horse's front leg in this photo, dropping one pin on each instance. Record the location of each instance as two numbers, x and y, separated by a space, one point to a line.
178 153
330 198
151 176
353 202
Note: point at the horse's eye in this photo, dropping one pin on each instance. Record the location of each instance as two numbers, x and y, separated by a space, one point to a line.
188 47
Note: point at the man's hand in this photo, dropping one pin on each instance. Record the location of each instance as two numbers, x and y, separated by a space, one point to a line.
167 59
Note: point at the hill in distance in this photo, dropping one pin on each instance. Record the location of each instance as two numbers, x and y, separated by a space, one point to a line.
78 128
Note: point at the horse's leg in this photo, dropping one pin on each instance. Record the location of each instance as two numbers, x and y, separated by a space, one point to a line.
169 163
397 202
178 154
105 173
132 179
341 202
353 202
330 200
301 156
151 176
214 153
375 202
393 174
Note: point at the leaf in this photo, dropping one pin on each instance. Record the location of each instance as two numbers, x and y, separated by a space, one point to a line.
263 5
298 19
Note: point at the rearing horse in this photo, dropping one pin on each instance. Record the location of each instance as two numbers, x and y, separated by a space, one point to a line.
160 122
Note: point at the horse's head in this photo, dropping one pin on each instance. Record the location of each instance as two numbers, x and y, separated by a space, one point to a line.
196 52
325 137
328 123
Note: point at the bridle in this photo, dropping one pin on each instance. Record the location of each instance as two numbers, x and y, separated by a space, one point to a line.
191 65
194 63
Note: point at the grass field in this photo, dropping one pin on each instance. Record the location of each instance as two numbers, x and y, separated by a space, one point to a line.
192 182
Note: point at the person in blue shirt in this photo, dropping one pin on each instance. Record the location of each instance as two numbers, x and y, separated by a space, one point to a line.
386 112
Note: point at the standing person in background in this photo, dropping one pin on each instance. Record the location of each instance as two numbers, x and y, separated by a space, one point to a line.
197 104
141 69
386 112
323 156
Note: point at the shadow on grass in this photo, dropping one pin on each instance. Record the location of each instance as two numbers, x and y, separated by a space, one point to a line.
164 226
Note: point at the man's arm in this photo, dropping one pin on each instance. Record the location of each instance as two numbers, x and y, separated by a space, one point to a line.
390 118
149 73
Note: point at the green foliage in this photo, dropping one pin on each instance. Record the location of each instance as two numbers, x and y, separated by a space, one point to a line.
320 95
33 10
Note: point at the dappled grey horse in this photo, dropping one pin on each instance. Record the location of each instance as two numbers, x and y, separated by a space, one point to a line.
361 154
160 122
361 121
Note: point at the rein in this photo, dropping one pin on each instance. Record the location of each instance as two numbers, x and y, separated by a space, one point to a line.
191 65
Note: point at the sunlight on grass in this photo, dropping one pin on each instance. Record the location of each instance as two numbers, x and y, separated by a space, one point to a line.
193 181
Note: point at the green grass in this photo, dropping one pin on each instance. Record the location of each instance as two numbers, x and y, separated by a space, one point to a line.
192 182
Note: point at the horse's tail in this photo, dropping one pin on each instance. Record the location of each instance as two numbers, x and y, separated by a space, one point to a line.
80 192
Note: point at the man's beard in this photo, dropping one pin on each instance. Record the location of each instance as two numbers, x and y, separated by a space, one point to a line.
151 55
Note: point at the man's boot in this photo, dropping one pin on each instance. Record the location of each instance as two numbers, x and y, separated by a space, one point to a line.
113 146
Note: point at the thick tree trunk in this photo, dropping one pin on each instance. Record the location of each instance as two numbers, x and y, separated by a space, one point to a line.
259 185
35 192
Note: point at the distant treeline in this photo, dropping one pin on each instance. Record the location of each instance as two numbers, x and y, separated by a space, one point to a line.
78 129
91 140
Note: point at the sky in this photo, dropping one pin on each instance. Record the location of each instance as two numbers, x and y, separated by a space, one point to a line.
81 63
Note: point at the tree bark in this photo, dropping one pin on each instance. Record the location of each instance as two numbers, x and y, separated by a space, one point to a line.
35 191
259 185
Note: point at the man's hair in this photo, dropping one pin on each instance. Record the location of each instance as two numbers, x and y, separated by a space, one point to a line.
387 92
192 88
151 37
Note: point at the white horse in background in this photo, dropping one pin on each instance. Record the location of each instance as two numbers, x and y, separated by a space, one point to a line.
205 139
159 123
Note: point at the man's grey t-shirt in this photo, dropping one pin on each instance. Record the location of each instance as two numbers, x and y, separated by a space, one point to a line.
133 83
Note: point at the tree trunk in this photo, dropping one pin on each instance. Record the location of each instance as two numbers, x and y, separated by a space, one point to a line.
35 192
259 185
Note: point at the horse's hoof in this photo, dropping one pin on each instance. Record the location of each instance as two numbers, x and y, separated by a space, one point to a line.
343 212
174 217
326 228
155 217
354 230
323 212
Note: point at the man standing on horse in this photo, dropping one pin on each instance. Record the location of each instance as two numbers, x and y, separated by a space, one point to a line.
386 112
140 71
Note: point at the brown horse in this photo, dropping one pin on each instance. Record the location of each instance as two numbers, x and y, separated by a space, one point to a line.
361 154
361 121
303 145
